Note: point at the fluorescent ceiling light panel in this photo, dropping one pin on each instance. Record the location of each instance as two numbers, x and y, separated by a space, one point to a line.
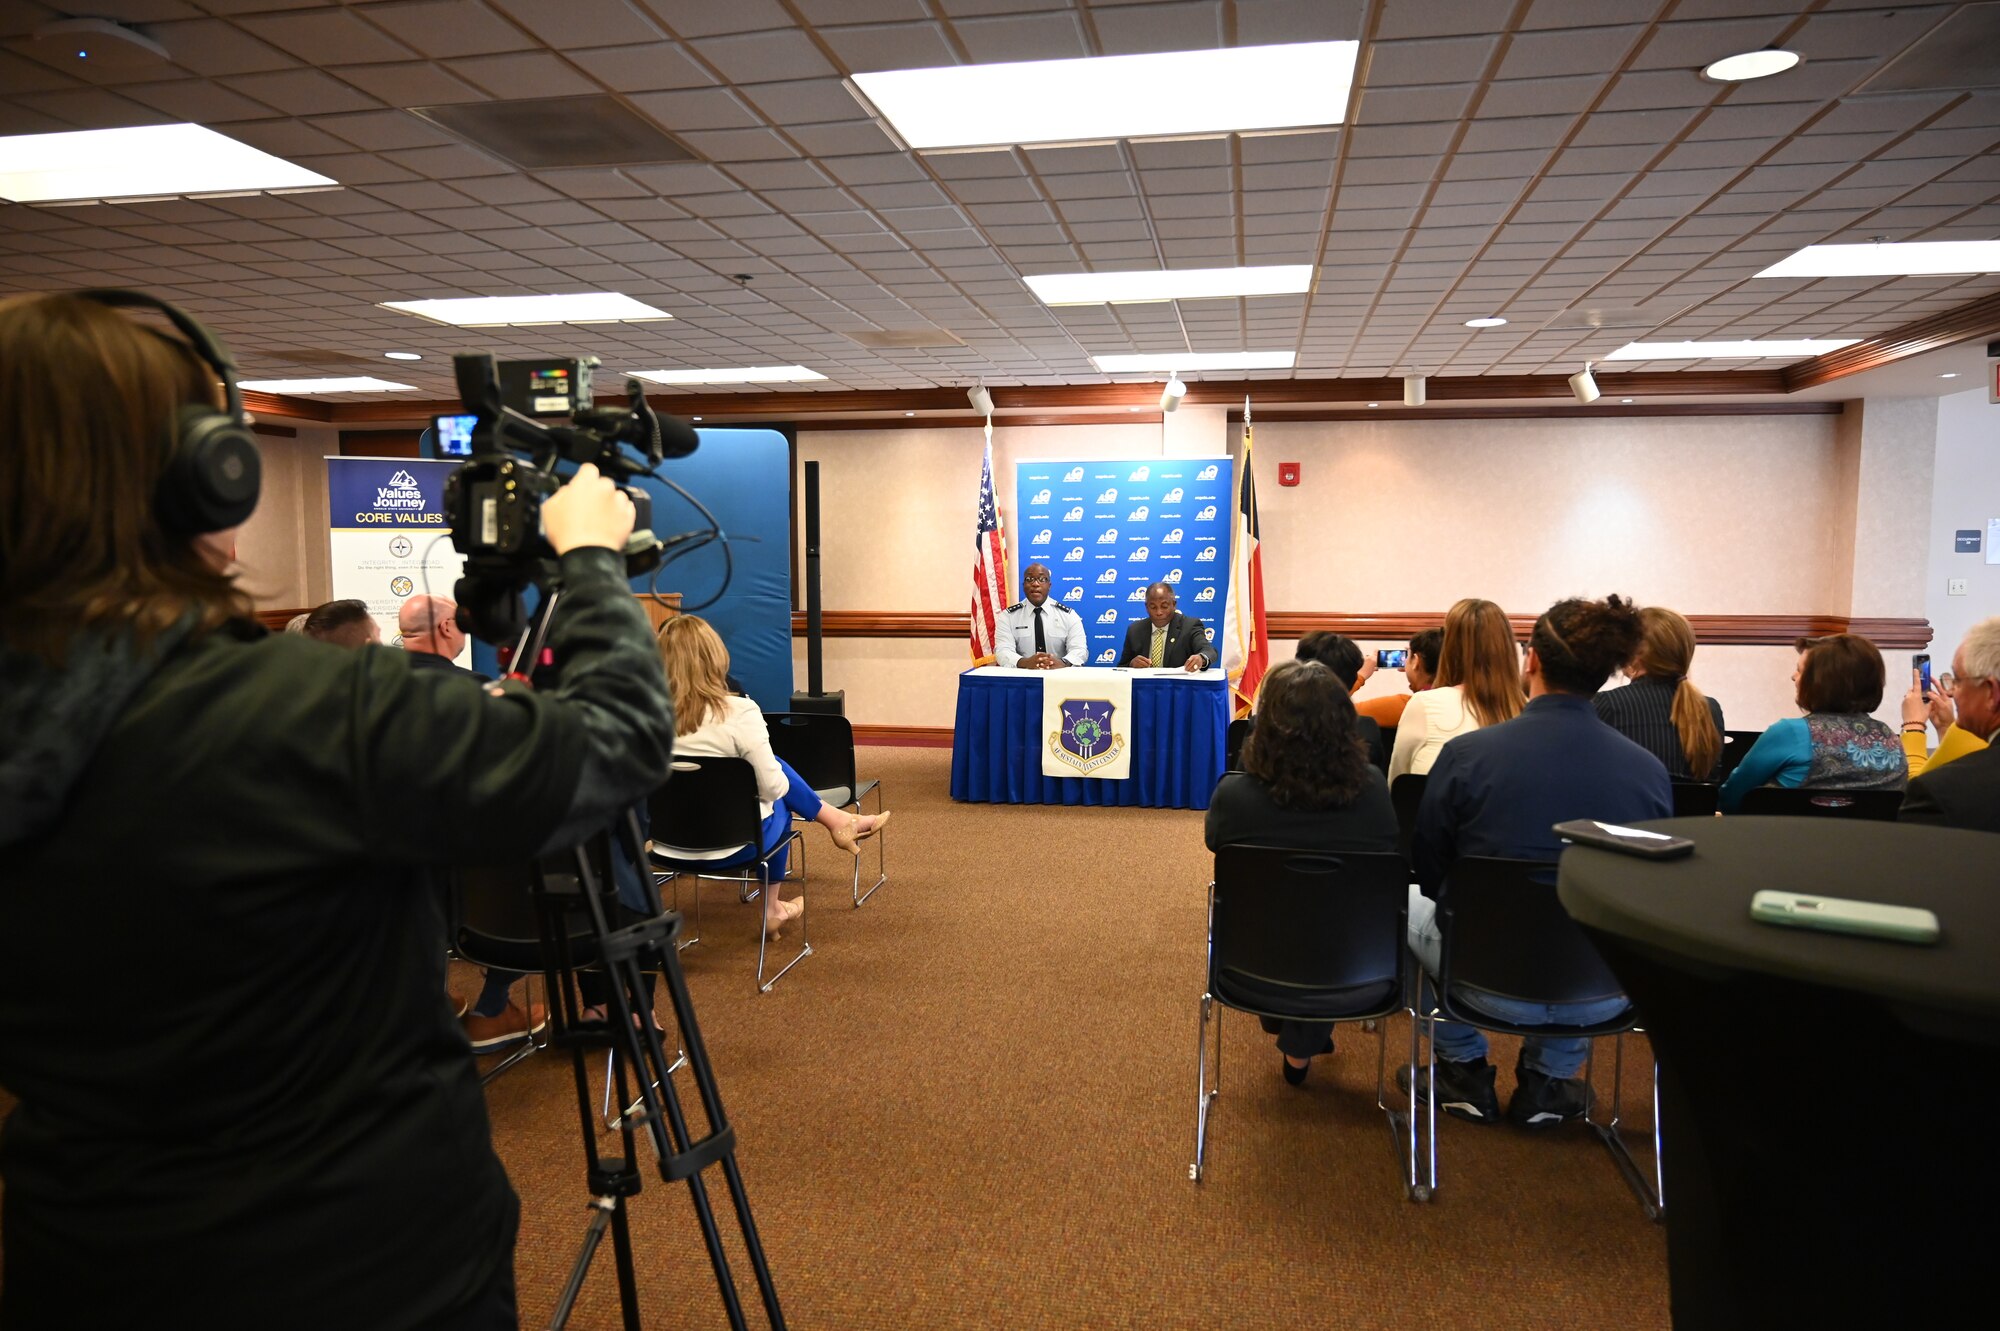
1186 362
746 374
1237 89
1901 259
584 307
1798 346
1175 284
363 384
149 161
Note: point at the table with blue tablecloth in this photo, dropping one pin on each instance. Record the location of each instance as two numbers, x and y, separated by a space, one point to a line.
1179 725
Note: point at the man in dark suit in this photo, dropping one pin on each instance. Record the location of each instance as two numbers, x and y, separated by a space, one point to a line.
1966 793
431 635
1166 638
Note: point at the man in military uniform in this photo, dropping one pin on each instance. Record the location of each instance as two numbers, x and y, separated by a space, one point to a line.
1038 634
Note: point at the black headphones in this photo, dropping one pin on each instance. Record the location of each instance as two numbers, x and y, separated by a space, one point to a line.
213 470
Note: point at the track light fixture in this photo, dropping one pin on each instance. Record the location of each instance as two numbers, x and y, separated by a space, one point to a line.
1413 390
1584 385
1171 395
980 398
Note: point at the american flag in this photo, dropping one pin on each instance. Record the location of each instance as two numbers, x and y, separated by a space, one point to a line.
989 564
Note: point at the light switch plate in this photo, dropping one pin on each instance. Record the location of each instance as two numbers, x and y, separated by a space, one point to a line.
1955 587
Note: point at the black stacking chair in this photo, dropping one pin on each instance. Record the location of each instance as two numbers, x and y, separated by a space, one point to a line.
1406 795
711 804
1311 936
1505 933
820 748
1735 743
1879 806
1232 743
1695 799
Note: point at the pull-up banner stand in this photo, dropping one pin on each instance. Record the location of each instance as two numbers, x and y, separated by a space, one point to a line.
387 534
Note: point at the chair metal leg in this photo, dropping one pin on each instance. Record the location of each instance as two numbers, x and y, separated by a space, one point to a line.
532 1044
764 936
1403 1134
615 1122
1652 1196
1204 1092
881 840
671 880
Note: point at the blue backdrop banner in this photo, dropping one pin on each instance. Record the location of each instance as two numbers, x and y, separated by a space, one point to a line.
1107 530
745 479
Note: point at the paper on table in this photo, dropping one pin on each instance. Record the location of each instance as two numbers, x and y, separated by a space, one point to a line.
1635 831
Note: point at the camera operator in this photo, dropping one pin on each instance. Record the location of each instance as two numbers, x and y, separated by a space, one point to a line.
244 1100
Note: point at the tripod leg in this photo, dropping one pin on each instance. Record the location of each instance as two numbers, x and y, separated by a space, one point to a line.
628 1279
602 1211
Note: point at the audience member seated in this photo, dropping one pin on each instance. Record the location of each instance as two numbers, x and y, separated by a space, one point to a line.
1419 669
1343 657
1500 791
1661 710
1966 792
710 721
1954 741
342 623
432 637
297 623
1306 782
1837 745
1165 638
1478 684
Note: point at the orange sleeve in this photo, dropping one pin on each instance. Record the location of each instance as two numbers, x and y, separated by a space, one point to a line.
1385 711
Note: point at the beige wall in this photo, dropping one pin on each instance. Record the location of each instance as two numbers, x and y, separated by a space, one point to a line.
1735 515
283 548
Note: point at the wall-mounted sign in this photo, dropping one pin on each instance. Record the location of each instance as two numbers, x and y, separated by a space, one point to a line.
1966 542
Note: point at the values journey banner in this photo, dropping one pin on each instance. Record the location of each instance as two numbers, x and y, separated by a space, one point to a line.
387 534
1109 529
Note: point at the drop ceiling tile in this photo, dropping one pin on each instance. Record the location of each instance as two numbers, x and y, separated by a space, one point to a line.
1007 37
522 74
1564 53
707 18
738 145
1447 60
576 23
1537 97
851 138
1501 165
410 85
443 29
654 67
697 108
326 37
871 47
764 56
1187 25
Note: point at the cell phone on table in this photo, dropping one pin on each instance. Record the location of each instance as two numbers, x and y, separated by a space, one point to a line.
1839 915
1921 663
1625 840
1391 658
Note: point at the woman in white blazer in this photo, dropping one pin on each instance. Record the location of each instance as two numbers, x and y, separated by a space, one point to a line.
1478 684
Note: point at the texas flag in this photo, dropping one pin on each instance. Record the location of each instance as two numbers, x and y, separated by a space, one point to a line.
1246 649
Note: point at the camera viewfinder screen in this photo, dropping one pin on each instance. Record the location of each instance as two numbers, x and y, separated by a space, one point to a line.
454 436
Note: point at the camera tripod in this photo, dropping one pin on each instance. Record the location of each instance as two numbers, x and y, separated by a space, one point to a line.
623 953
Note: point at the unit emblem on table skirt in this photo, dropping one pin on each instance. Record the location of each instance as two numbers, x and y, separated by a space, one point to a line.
1086 741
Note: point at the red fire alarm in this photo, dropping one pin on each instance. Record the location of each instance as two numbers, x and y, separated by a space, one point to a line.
1288 473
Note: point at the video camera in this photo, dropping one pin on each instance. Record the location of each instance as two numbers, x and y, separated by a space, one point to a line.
493 502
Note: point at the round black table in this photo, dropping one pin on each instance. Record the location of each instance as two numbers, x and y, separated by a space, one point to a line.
1825 1100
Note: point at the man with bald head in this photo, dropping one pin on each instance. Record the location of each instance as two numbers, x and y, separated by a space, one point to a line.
1036 633
1166 639
431 635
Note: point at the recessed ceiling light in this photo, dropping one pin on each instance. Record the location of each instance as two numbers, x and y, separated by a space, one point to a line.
1231 90
362 384
1949 374
1174 284
1745 350
1750 65
583 307
1490 321
157 161
1626 400
1198 360
1899 259
403 355
745 374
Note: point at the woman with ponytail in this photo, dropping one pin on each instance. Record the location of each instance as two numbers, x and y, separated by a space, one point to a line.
1478 684
1661 710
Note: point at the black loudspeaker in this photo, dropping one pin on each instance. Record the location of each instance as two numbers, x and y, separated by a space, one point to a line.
214 472
815 698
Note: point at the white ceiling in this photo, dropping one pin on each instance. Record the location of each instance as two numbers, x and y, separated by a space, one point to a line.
1523 158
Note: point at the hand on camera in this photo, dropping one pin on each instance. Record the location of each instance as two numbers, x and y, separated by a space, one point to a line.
588 511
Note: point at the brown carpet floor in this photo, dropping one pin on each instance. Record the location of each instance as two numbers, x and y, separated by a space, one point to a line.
972 1107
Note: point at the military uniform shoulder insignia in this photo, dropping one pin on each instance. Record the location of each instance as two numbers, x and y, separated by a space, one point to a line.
1012 608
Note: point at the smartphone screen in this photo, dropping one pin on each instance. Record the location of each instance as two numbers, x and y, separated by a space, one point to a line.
1389 658
1921 662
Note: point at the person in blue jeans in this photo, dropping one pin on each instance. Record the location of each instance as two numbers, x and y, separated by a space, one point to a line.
711 721
1500 791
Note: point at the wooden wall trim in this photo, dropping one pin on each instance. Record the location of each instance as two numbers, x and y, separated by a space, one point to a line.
1392 412
1963 323
905 737
1396 625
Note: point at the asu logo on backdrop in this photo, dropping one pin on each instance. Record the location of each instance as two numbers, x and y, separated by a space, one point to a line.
1207 513
1043 537
1138 514
1172 496
1041 497
1107 656
1140 475
1110 495
1074 515
1075 555
1207 555
1074 594
1207 473
1109 575
1074 474
1138 594
1139 556
1205 594
1172 538
1109 536
1110 616
1173 577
